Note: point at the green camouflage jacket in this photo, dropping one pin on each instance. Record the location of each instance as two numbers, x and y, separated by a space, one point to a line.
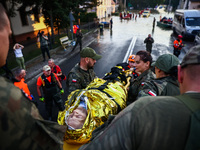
150 123
21 126
136 85
79 78
166 86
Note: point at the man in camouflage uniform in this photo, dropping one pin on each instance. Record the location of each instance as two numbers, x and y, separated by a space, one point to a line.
142 64
83 73
166 83
21 126
161 122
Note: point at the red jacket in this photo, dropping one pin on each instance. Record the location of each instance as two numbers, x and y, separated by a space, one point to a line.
178 44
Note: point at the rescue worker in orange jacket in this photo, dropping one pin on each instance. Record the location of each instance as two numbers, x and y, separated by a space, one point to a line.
178 44
20 83
50 85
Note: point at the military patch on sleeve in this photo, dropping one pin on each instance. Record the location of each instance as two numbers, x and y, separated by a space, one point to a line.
74 80
151 93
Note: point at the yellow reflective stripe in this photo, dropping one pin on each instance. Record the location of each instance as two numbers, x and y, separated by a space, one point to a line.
43 83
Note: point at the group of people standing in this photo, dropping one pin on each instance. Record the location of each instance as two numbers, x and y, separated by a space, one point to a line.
161 122
43 45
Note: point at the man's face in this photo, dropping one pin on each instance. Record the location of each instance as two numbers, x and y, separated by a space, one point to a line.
51 64
131 64
77 118
91 63
140 65
4 41
47 73
23 73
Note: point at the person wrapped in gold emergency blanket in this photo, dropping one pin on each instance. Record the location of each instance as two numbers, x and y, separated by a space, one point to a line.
86 109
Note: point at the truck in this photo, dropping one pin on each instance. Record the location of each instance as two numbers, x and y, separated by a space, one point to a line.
186 23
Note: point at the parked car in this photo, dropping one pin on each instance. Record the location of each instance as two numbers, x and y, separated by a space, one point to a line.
146 13
197 39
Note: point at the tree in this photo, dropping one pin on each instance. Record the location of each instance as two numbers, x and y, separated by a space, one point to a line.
138 4
174 3
55 11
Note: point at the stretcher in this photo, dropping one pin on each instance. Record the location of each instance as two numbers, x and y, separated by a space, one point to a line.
103 97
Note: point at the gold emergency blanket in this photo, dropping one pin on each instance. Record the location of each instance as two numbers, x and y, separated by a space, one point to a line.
102 98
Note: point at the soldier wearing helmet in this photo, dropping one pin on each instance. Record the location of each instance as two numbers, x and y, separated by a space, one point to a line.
178 44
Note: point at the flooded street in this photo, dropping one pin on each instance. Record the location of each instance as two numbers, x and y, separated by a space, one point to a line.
124 30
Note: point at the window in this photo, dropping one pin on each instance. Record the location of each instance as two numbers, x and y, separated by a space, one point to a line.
23 16
193 21
36 14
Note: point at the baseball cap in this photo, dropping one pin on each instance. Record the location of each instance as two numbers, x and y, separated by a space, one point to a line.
166 61
46 68
192 57
89 52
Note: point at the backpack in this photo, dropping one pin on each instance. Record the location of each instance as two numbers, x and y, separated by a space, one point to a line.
193 141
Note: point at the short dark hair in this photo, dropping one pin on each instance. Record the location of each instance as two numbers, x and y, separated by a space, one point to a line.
3 21
144 56
18 72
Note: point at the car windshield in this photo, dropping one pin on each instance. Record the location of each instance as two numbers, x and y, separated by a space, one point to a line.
193 21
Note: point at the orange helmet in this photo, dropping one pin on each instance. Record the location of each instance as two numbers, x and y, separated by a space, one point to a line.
131 58
180 36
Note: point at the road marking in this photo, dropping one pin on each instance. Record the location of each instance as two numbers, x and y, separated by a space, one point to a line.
130 49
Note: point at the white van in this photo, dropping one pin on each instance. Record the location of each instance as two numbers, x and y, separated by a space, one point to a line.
186 23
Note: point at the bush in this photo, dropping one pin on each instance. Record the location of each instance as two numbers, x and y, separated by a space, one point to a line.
154 12
115 14
87 17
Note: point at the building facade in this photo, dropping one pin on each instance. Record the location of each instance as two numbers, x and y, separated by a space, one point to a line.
26 27
189 4
104 9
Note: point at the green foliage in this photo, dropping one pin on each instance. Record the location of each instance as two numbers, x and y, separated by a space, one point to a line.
174 3
138 4
115 14
86 17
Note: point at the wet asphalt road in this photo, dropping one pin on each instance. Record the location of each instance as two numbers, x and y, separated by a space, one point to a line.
114 44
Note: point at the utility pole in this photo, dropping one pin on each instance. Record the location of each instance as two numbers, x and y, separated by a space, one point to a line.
71 22
169 6
124 4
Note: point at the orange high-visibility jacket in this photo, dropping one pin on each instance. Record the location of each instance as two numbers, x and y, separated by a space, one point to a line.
24 87
178 44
